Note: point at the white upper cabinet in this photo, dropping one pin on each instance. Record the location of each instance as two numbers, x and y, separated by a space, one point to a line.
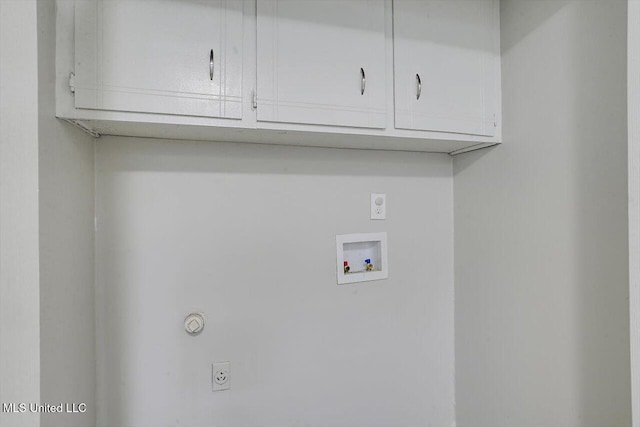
419 75
447 65
321 62
159 56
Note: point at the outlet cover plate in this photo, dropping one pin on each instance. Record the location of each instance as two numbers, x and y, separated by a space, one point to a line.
221 376
378 206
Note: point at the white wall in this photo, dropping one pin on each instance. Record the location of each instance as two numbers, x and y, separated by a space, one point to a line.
633 103
67 309
542 321
19 283
246 234
47 311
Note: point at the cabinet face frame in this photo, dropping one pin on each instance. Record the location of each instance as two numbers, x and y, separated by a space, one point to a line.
335 76
432 94
199 73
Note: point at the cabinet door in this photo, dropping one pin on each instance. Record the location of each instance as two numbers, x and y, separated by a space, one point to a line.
446 63
321 62
159 56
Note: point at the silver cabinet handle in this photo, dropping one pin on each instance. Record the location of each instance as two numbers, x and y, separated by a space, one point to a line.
363 81
419 86
211 64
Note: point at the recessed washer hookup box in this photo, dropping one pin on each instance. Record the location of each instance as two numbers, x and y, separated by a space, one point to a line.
361 257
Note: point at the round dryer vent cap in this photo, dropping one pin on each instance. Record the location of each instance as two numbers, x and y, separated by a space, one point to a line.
194 323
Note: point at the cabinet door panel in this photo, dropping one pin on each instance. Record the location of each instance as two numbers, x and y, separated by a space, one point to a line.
309 58
154 56
451 46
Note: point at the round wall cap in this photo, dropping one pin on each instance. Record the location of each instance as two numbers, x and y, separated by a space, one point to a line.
194 323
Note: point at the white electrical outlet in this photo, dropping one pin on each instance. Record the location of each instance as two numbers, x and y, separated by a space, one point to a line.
221 376
378 206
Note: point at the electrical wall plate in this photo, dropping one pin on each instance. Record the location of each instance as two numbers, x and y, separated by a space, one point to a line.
361 257
378 206
221 376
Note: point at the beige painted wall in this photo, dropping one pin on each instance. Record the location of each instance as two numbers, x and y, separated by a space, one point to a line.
542 320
